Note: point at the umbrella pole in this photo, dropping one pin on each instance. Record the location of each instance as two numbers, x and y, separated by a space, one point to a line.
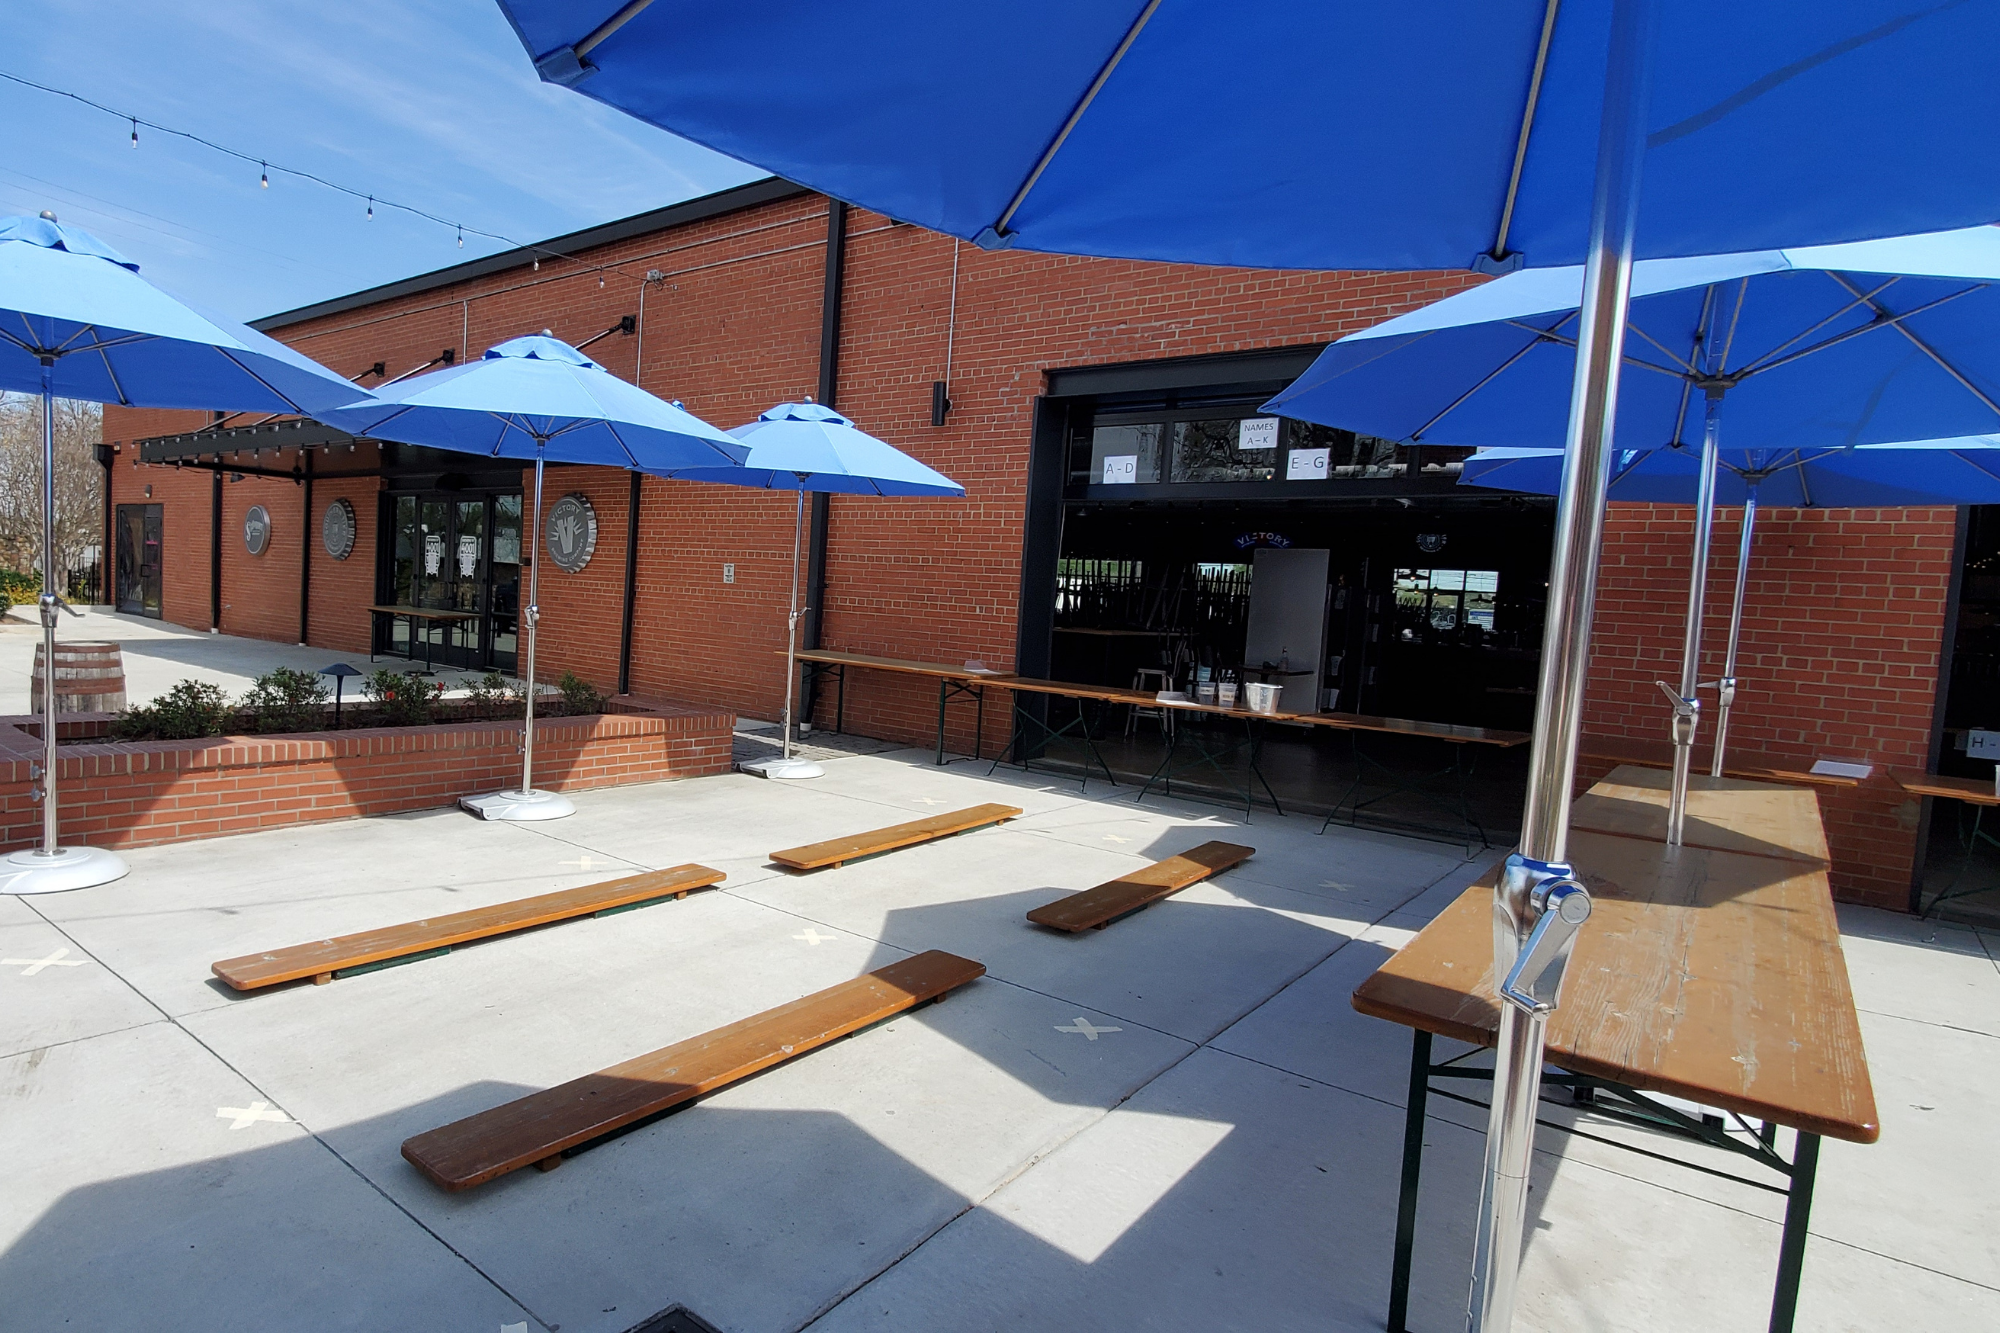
48 605
792 621
1538 904
1687 703
534 613
1726 687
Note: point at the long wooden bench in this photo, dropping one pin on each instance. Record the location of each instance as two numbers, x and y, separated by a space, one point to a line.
839 851
343 955
1100 906
539 1128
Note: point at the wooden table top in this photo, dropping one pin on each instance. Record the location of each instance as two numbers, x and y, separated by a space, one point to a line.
426 612
1977 791
1707 975
1724 814
832 658
1658 753
1402 726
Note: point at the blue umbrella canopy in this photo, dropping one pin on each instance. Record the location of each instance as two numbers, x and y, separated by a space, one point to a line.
810 447
116 338
1919 472
1815 347
1337 135
538 396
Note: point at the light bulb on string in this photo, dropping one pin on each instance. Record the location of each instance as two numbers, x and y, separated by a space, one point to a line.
371 208
264 175
461 238
135 133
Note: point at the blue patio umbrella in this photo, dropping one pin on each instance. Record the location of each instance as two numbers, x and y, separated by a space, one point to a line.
539 400
806 447
1919 472
1278 134
1801 349
77 321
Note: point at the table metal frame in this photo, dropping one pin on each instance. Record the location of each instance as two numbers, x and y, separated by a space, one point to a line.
949 688
1463 761
1971 840
450 618
1018 743
1252 739
1624 1105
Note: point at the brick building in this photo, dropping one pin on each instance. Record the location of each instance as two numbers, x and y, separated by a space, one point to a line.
1051 369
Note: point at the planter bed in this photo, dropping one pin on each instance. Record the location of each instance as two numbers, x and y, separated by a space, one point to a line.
133 793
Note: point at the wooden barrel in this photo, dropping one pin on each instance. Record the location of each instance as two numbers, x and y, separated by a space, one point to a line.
90 678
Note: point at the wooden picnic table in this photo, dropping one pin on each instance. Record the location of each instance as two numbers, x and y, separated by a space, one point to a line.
953 682
1458 772
1712 976
1660 754
449 618
1723 814
1978 793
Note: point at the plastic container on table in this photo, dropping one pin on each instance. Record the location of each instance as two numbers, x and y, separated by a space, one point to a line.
1225 694
1262 698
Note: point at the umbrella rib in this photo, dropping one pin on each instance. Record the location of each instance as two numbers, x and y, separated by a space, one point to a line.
1925 347
1484 380
281 396
1816 326
104 355
611 428
1701 333
1571 344
1499 250
1687 367
1075 115
1721 363
1880 321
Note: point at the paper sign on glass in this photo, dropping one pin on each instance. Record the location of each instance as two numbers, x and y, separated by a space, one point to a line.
1121 470
1257 433
1306 464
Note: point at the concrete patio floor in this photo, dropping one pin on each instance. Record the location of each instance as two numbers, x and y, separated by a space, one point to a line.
1215 1145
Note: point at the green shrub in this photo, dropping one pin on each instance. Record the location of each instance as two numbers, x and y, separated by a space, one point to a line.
17 589
494 697
190 710
287 700
405 699
580 697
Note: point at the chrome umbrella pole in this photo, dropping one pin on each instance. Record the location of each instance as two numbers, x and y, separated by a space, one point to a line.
531 615
1726 687
1687 703
49 605
792 622
1538 904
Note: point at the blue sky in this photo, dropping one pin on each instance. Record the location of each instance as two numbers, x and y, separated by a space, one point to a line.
428 102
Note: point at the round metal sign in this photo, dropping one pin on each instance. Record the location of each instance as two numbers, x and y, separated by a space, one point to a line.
336 530
572 538
257 529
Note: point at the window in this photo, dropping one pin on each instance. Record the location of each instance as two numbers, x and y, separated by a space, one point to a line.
1432 602
1209 445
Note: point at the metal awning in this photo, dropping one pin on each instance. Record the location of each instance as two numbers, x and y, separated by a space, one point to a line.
296 433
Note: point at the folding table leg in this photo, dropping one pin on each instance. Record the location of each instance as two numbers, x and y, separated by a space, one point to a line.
1413 1160
942 682
1792 1249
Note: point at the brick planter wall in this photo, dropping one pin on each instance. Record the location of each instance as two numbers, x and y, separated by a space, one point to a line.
131 794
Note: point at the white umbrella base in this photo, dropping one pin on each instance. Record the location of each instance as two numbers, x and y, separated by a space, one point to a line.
65 869
520 806
783 768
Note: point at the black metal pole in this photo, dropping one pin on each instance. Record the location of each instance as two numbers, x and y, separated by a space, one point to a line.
829 391
106 560
1413 1161
215 555
631 585
1792 1249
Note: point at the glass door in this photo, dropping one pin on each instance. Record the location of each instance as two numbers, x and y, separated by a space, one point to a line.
139 529
458 556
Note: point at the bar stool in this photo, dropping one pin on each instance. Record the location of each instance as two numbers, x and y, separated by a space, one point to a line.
1152 679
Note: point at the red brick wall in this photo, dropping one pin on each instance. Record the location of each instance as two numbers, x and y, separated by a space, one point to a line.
734 327
173 791
1843 622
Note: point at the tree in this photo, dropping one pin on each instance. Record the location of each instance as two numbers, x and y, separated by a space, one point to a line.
79 428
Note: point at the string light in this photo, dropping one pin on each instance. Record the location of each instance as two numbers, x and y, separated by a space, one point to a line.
264 169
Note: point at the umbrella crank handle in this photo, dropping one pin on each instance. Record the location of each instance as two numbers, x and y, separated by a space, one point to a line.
1686 713
47 603
1534 983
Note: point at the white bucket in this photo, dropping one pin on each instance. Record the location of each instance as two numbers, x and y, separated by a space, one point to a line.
1262 698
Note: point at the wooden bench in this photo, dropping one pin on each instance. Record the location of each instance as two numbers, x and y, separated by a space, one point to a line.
837 852
344 955
540 1128
1127 894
